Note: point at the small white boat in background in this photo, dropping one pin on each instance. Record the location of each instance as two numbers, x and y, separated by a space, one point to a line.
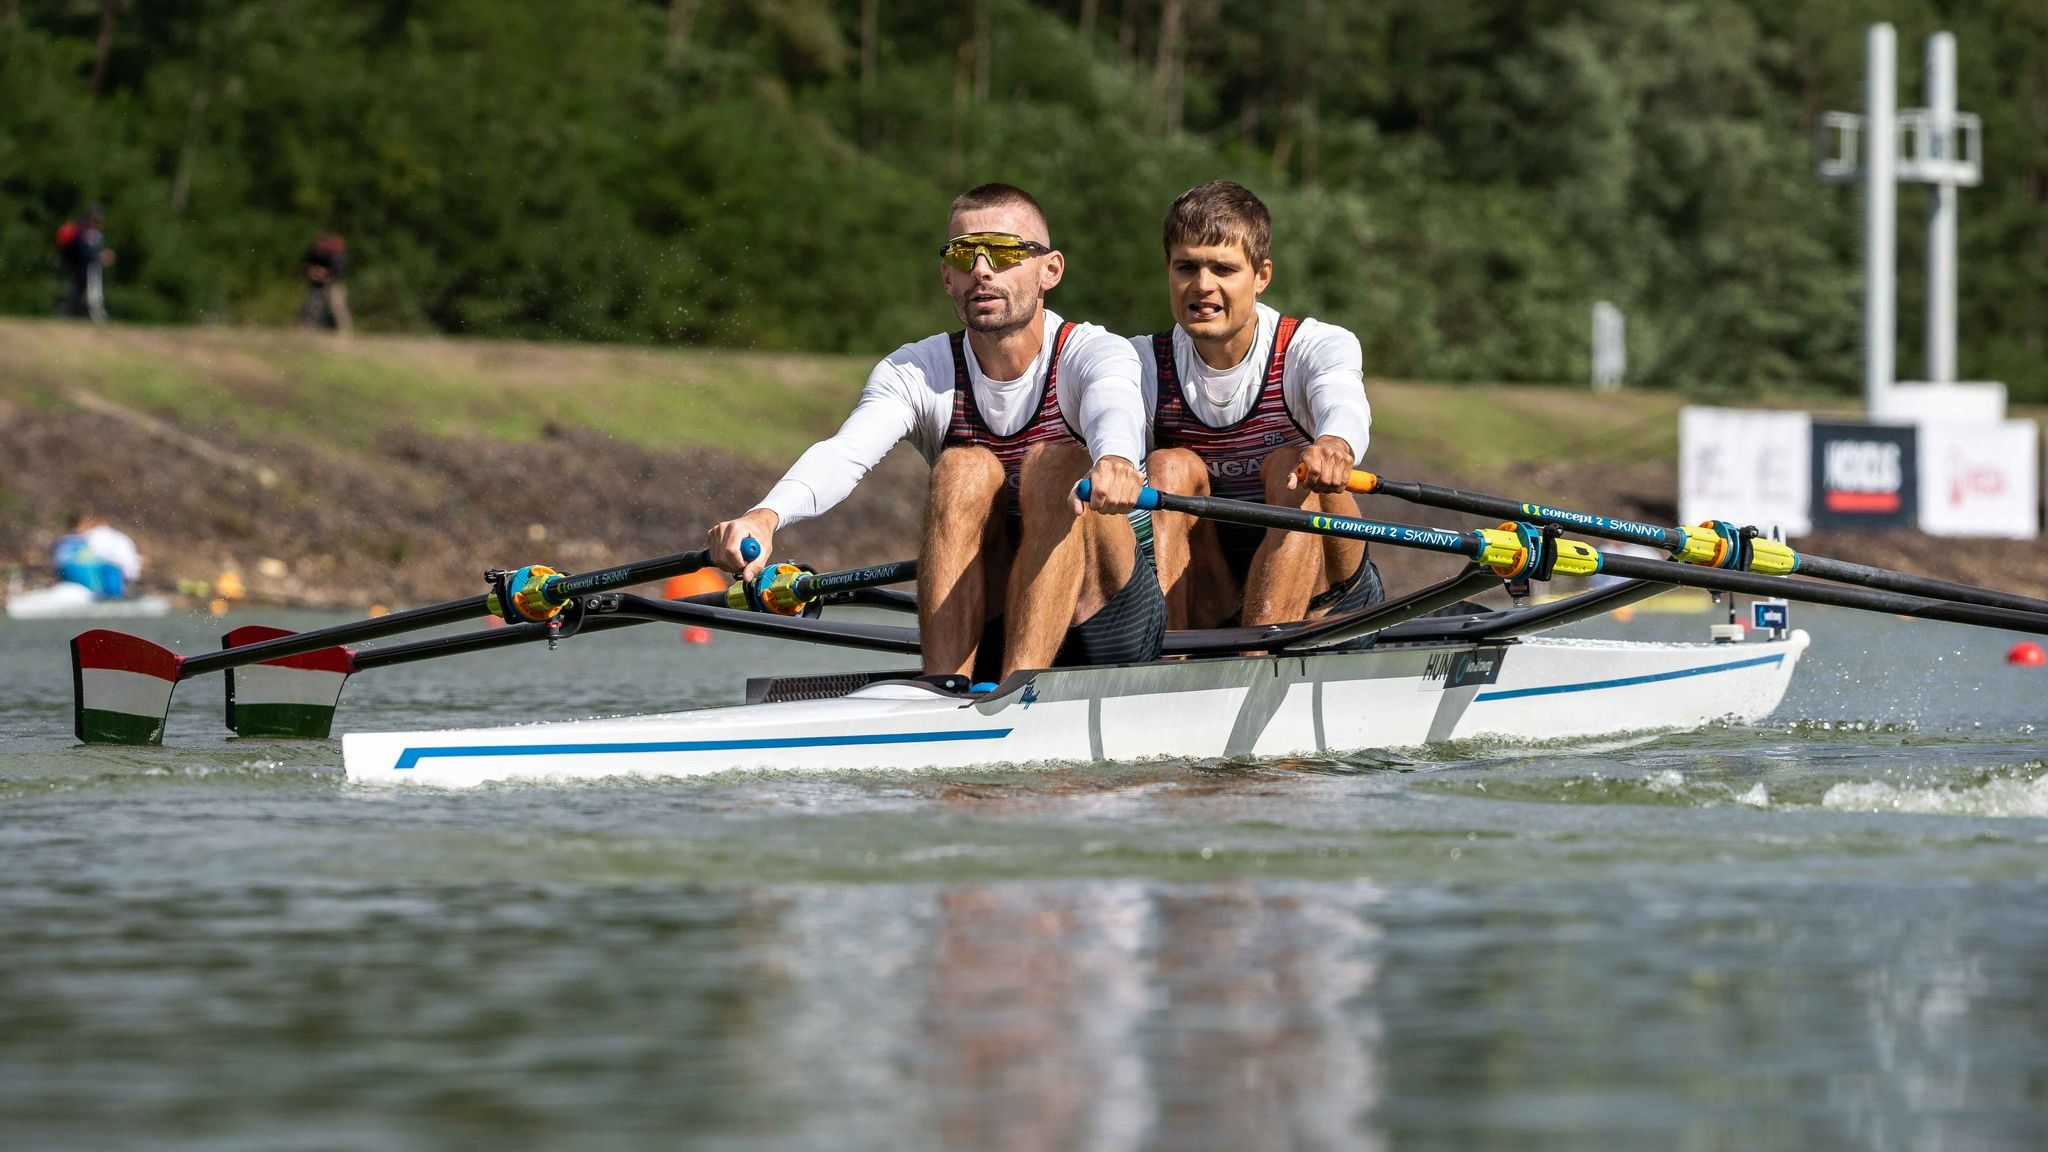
67 601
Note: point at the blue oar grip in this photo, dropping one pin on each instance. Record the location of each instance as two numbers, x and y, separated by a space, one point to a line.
1148 497
749 549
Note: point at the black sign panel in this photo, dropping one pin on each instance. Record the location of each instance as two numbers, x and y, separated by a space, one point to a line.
1866 477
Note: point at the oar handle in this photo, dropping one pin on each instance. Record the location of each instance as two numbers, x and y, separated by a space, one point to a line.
1148 497
1362 482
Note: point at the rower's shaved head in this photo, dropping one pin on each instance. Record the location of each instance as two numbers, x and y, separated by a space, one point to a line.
1015 200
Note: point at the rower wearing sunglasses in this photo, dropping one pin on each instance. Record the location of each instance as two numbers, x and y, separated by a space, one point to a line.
1240 396
1011 412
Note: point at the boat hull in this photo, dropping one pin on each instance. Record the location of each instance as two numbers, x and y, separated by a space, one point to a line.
1394 697
67 601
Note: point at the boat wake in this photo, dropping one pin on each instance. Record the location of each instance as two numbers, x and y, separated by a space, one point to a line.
2021 792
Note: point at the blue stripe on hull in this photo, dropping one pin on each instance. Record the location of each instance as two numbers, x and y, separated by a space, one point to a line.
1627 681
411 757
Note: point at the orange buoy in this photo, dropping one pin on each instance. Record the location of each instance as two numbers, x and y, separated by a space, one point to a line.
694 583
2026 652
696 635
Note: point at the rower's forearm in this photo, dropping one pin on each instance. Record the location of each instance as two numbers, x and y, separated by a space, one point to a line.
1112 421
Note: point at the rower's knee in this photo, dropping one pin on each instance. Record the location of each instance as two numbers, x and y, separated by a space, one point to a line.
1177 470
1047 476
966 472
966 487
1275 469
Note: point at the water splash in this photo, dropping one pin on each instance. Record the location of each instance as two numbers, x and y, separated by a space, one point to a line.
1997 796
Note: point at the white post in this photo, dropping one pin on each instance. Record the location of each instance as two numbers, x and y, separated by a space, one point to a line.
1880 192
1610 347
1941 213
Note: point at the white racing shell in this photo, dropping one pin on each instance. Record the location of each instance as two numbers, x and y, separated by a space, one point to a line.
1390 697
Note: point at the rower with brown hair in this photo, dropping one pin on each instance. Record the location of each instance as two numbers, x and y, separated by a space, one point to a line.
1241 396
1011 412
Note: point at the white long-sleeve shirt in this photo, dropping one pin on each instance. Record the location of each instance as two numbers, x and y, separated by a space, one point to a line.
909 395
1323 381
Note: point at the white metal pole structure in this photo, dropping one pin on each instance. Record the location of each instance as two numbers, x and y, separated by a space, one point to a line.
1887 146
1880 201
1941 210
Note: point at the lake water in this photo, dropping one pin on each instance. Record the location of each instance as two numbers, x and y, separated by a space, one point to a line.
1826 931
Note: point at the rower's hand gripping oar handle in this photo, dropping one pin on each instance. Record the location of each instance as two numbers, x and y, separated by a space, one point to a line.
1362 482
1148 497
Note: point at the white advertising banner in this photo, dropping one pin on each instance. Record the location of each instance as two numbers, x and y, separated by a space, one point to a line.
1747 467
1910 403
1980 479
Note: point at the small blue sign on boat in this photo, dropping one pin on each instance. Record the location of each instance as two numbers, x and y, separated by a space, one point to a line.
1775 615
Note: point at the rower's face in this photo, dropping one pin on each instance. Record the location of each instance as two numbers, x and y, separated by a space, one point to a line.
1214 288
992 300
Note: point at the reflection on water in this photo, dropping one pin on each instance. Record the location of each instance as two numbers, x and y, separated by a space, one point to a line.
1111 1016
1830 931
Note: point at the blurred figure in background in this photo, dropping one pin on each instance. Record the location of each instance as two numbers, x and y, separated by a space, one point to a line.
97 556
324 265
82 248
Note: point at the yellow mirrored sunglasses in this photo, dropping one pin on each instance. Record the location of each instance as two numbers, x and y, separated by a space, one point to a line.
1003 250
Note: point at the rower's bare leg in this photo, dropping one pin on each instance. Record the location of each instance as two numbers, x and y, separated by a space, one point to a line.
955 572
1201 591
1067 566
1291 567
1341 557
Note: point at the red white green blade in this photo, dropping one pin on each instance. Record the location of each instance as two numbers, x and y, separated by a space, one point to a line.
290 698
121 687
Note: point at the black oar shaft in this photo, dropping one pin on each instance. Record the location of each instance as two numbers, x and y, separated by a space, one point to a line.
1447 540
821 584
509 636
1480 504
811 585
1636 567
1671 540
1848 573
1784 588
414 619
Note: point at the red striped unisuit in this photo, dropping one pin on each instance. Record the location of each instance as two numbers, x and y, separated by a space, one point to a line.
1233 452
1046 426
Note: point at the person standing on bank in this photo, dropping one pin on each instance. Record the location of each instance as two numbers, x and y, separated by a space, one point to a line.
1240 395
1011 413
325 267
82 249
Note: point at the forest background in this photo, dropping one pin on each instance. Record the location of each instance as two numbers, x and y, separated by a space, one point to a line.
1456 180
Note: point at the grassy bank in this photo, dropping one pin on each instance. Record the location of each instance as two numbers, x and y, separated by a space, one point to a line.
267 383
346 393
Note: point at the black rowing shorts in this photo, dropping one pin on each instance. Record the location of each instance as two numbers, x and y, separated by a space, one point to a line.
1130 629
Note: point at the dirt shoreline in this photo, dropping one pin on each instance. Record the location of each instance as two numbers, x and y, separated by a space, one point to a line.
418 519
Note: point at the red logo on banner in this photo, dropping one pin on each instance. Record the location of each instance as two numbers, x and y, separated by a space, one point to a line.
1976 480
1863 501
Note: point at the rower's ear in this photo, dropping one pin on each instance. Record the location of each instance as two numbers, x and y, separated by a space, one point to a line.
1053 271
1263 278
